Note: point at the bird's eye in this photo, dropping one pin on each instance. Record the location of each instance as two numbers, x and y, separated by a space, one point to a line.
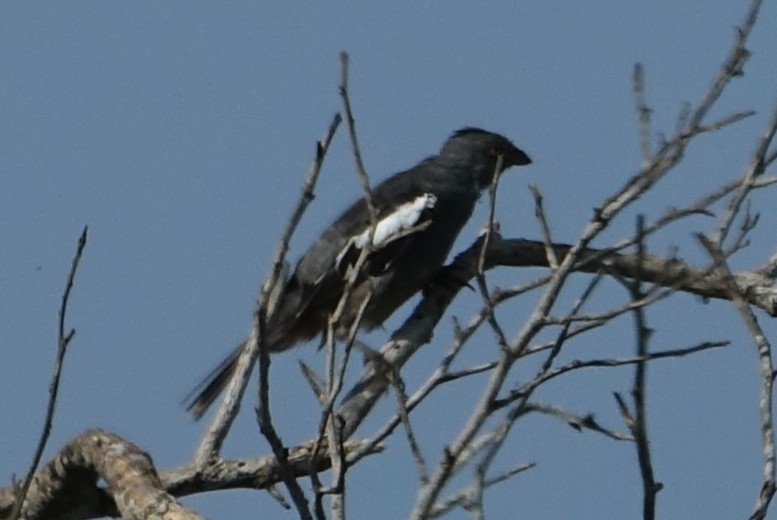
494 151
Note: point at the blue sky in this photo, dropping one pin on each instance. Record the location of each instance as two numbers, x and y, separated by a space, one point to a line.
180 132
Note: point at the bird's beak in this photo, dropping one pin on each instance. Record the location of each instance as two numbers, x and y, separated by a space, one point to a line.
518 157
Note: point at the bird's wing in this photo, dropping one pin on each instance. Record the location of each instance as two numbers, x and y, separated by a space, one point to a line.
404 209
390 236
402 196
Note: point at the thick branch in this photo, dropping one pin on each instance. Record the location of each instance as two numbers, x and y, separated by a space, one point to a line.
418 328
759 289
67 487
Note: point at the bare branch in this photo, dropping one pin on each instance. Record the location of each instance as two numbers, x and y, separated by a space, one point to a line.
351 124
480 273
63 341
638 427
464 498
755 169
214 437
257 339
67 487
528 388
766 366
63 484
643 112
539 213
404 415
667 272
576 421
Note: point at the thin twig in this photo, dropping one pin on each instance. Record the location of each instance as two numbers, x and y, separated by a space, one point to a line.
480 276
643 112
258 340
563 334
330 426
63 341
755 169
463 498
766 367
539 213
264 419
441 376
334 432
217 431
576 421
351 124
638 427
578 364
404 414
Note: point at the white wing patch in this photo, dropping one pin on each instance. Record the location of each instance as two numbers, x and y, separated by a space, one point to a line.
405 217
392 226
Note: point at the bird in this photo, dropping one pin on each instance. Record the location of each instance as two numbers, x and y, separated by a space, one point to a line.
416 214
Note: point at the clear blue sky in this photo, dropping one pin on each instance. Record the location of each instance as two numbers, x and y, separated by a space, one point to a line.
180 131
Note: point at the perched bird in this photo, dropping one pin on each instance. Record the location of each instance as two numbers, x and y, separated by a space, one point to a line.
419 213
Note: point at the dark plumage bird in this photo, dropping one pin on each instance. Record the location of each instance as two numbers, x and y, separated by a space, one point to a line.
419 215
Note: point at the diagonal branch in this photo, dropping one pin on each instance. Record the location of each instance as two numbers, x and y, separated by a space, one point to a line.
63 342
217 431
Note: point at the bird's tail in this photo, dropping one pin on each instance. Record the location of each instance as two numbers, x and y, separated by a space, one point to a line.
202 396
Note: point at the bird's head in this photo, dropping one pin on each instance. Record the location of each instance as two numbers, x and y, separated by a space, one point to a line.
477 151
